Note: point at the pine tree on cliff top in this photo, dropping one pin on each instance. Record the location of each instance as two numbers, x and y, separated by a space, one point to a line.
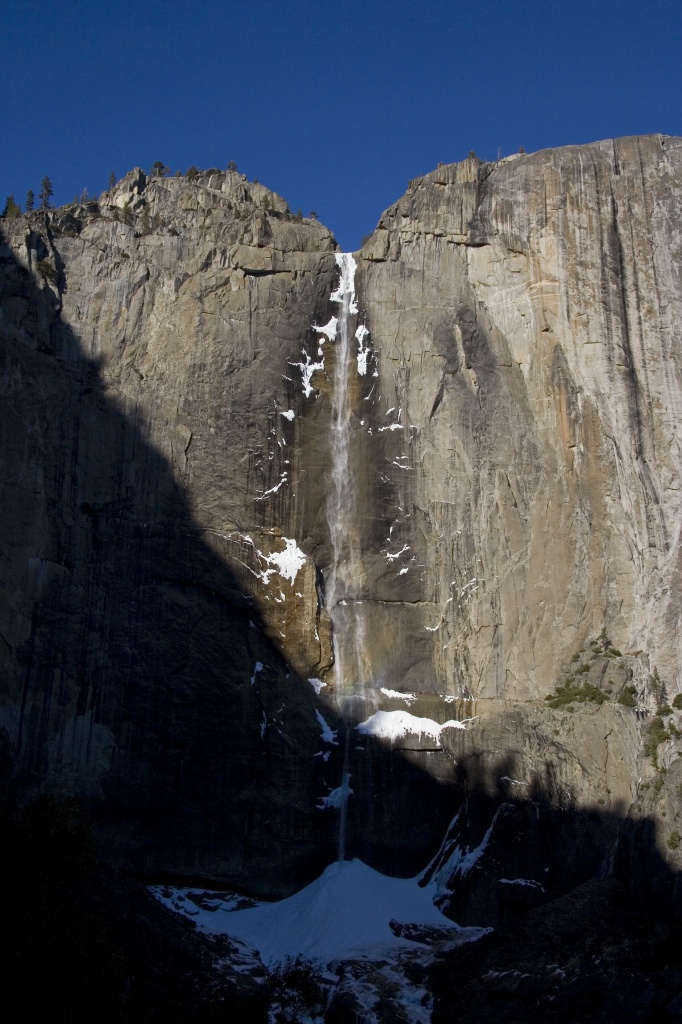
46 193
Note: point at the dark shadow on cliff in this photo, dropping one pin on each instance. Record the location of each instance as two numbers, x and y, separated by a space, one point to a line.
129 649
505 853
585 909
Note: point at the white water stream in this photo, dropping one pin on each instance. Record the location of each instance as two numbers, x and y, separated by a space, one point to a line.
345 579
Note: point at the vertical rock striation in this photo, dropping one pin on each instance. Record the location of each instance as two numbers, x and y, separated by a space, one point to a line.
526 316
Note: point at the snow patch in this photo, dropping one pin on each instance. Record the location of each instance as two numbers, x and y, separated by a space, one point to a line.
273 490
363 349
409 698
347 264
528 882
335 799
287 563
328 734
460 861
258 667
394 725
344 913
329 329
308 368
316 684
199 905
288 414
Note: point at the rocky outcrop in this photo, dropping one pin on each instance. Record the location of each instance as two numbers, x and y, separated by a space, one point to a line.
171 646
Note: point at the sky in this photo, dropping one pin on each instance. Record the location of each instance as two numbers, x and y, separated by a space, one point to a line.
334 104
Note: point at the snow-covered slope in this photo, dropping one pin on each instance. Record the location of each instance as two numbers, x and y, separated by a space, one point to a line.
346 912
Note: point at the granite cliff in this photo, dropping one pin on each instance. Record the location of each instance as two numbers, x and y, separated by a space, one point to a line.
201 600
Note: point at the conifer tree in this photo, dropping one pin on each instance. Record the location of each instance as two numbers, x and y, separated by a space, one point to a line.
30 200
112 179
12 208
46 193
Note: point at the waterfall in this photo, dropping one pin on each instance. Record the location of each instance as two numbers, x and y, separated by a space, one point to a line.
344 584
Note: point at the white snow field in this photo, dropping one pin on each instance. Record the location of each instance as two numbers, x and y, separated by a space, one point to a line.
343 914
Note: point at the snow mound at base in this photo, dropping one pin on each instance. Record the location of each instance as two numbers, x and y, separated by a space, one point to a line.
344 913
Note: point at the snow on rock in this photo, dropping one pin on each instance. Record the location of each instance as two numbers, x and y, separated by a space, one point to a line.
346 262
345 912
394 725
454 861
288 414
258 667
275 489
308 368
286 563
329 329
328 734
316 684
199 905
363 349
409 698
335 799
528 882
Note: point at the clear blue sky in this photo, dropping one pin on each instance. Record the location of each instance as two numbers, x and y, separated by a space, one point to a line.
335 104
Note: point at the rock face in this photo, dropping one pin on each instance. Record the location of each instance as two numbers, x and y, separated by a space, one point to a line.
527 317
177 610
145 348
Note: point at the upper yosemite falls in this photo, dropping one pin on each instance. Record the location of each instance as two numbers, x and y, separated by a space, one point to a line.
296 543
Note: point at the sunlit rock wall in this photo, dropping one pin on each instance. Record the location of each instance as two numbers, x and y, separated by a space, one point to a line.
526 317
